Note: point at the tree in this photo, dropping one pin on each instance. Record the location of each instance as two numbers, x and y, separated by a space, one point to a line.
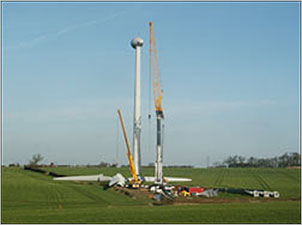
252 162
231 161
241 160
295 159
284 160
103 164
274 162
36 158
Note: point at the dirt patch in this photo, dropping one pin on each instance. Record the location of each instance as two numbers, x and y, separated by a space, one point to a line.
293 167
139 194
202 200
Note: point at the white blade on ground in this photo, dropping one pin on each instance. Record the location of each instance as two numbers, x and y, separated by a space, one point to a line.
168 179
99 177
176 179
117 179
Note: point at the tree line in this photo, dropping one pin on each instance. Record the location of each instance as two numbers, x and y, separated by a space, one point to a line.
286 160
292 159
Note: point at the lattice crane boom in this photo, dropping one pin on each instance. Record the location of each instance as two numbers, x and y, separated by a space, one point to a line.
154 65
129 154
158 98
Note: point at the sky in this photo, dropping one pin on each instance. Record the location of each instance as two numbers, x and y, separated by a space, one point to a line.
229 72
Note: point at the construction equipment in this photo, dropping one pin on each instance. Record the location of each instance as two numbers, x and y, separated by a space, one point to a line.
135 164
129 154
185 193
158 97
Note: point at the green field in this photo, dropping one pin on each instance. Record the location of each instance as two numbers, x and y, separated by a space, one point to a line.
29 197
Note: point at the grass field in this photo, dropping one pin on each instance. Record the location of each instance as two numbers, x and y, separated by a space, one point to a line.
29 197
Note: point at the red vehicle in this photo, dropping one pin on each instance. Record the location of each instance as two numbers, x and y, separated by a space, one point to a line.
195 190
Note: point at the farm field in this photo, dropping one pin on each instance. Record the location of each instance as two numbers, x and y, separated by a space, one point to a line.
29 197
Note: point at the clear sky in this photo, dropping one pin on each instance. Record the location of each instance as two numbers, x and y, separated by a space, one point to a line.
229 71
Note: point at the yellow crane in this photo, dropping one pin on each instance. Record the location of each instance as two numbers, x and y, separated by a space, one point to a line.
129 154
158 97
154 66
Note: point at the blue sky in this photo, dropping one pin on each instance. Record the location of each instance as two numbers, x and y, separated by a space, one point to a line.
229 71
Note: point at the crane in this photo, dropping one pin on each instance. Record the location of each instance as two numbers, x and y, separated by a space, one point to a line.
129 154
158 97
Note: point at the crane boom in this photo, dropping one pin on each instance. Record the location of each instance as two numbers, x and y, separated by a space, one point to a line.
158 97
129 154
154 65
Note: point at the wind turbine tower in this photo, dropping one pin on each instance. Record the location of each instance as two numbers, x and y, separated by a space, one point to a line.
137 43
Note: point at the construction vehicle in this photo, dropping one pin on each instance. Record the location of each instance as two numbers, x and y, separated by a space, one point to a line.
136 181
158 97
185 193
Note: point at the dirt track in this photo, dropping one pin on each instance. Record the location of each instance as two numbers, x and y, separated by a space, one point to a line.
145 194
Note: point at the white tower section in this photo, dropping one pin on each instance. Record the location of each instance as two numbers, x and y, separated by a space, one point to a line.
137 43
